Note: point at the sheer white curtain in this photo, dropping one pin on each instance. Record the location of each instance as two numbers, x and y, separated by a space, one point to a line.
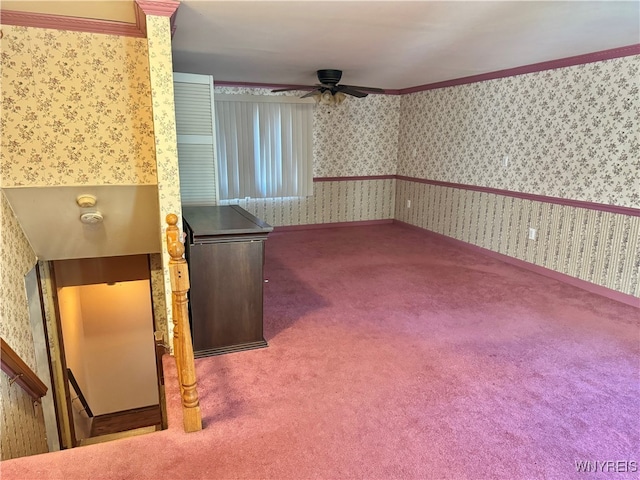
264 146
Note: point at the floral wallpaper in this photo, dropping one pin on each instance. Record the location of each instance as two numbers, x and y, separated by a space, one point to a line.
164 125
599 247
76 109
23 431
569 133
17 259
356 138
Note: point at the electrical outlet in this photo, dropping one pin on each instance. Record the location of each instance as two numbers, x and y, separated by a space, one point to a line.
533 234
408 203
505 161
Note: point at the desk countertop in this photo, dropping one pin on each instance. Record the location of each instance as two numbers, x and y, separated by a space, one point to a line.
208 221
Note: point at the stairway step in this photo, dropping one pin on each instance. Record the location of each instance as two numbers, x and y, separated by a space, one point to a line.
116 436
126 420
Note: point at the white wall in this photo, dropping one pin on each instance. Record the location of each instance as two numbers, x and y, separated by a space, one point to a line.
73 334
119 346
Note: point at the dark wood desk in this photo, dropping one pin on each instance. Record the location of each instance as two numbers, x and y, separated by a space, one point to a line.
225 252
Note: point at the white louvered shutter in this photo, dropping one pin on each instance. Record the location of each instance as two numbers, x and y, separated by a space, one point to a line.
193 96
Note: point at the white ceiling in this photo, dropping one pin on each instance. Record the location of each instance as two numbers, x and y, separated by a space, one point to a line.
392 44
50 219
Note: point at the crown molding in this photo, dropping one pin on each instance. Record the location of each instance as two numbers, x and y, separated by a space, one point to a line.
532 68
141 20
74 24
161 8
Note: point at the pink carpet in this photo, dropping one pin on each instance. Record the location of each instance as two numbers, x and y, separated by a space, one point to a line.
395 355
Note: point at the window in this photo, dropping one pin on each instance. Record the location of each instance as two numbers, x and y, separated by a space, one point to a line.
264 146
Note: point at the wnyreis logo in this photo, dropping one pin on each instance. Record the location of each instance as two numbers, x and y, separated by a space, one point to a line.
606 466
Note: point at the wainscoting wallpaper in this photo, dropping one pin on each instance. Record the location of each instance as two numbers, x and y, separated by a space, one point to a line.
599 247
569 133
76 109
332 202
23 430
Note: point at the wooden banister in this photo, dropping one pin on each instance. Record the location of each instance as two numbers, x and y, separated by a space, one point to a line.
182 346
20 373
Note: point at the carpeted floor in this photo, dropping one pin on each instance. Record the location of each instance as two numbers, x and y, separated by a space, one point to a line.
395 355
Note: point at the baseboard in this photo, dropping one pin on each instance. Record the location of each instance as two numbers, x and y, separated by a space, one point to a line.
575 282
315 226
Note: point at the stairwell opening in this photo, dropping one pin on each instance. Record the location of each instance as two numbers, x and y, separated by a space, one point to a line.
109 352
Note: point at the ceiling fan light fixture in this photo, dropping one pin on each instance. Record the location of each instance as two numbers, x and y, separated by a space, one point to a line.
328 92
339 97
326 98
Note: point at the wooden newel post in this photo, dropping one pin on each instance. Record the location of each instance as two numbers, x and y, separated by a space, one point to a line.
182 346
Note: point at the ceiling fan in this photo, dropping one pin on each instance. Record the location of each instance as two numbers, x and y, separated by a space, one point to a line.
328 91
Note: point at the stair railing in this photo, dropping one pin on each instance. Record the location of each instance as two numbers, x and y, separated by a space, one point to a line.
20 373
182 346
79 395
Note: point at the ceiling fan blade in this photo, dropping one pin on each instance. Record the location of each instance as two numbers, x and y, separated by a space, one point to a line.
350 91
290 89
311 93
366 89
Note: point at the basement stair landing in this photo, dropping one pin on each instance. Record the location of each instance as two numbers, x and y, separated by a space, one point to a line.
124 424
